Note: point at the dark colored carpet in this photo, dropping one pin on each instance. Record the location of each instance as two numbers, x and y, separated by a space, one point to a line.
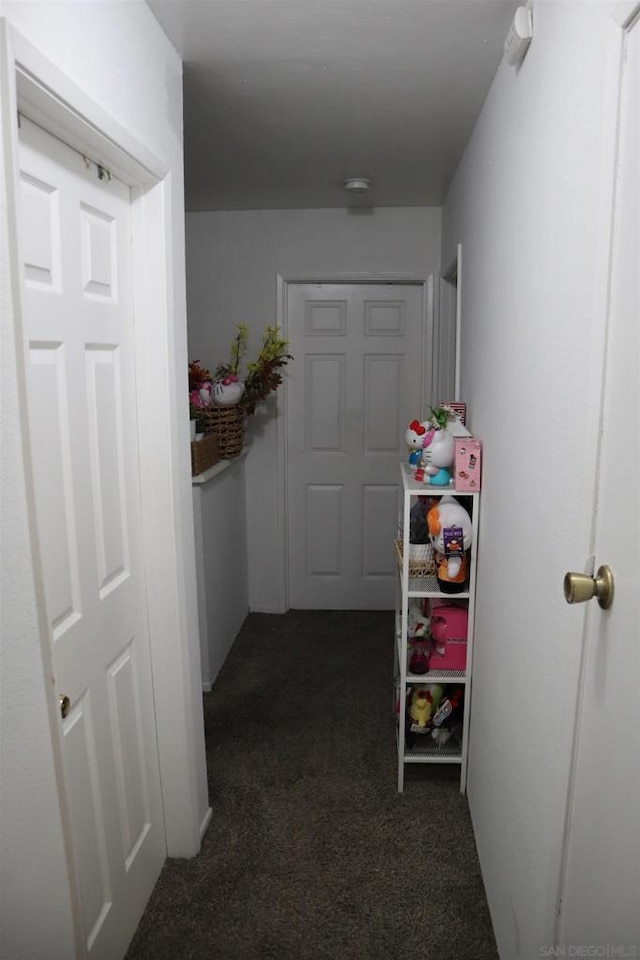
312 854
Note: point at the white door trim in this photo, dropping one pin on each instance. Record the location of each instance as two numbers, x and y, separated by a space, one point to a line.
49 98
453 276
282 284
458 374
39 90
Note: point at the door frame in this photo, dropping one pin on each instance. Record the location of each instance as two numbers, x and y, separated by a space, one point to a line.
37 89
453 276
282 459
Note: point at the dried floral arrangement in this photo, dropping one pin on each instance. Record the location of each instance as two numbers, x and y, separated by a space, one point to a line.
200 386
264 375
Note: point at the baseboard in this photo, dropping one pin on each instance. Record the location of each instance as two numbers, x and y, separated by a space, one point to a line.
206 686
261 609
204 826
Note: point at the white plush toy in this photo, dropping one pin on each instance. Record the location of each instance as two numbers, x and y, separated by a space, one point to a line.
437 458
227 392
451 554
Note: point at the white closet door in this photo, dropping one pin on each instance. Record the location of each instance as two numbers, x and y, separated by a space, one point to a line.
356 383
75 234
600 905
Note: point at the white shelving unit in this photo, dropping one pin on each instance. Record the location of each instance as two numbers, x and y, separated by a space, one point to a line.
424 748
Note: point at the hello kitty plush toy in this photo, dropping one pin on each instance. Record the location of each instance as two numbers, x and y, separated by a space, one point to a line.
451 536
227 392
437 457
415 436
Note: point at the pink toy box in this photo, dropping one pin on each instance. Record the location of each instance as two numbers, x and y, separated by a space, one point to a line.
467 464
449 627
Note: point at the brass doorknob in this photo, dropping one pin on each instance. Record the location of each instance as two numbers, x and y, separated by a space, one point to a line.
579 587
65 705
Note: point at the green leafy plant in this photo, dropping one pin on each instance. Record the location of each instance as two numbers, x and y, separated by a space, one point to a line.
440 417
264 375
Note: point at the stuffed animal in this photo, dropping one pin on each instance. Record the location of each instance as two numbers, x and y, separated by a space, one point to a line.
227 392
437 693
421 647
420 710
415 612
448 707
440 735
451 535
437 458
415 436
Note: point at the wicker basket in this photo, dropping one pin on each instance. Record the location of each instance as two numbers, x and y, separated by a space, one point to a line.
205 453
228 425
422 567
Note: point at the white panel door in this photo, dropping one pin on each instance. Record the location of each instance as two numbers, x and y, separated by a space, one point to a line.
600 908
75 235
355 385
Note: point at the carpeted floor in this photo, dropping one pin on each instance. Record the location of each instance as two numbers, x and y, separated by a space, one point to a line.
312 854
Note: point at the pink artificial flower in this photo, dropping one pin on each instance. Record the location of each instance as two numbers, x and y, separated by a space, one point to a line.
201 397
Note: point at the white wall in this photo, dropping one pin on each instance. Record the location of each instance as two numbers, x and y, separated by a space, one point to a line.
219 512
233 260
528 203
117 54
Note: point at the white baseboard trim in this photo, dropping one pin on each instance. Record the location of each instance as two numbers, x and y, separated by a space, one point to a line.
206 686
205 823
261 609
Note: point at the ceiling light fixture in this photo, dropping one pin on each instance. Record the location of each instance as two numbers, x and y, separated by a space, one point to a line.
357 184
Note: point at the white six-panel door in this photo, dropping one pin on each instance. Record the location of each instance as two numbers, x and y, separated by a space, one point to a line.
600 903
75 235
354 386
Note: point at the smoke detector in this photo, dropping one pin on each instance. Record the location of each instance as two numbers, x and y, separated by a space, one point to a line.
357 184
519 37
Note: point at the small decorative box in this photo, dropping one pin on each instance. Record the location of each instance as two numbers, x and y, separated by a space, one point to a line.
205 453
459 407
449 626
467 464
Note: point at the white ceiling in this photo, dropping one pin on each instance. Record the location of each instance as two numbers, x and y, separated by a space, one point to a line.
284 99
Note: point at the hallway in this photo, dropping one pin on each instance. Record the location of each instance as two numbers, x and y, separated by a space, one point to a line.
533 208
311 852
